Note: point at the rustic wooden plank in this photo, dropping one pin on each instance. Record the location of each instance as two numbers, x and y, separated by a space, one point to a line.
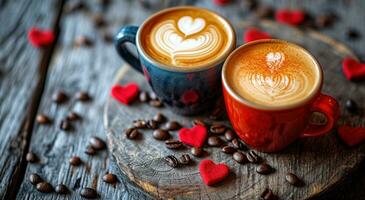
22 73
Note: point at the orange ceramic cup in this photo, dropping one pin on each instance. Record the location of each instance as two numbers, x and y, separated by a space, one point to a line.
272 129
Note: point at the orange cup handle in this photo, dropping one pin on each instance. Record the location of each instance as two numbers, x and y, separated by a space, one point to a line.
330 108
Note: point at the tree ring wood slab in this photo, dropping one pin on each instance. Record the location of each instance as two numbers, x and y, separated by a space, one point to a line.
322 162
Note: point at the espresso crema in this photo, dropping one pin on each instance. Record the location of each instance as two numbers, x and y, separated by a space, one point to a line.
274 73
187 37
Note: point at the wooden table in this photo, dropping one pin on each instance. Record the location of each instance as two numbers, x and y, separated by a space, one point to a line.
29 77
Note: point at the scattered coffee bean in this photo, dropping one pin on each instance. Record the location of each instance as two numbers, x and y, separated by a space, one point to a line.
264 12
110 178
214 141
199 122
83 96
108 38
75 161
268 195
156 103
229 135
228 149
65 125
59 97
185 159
35 179
83 41
351 106
196 151
250 4
264 169
132 133
72 116
172 161
324 20
173 144
140 124
159 117
90 150
239 157
99 21
172 126
88 193
31 157
44 187
104 2
152 124
143 96
160 134
61 189
353 34
293 179
216 114
97 143
237 144
217 129
253 157
43 119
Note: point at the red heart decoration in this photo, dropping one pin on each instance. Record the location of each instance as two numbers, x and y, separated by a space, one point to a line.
195 136
190 97
125 94
253 34
40 38
351 135
353 69
212 173
291 17
221 2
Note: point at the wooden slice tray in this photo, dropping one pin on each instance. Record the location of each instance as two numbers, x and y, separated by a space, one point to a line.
322 163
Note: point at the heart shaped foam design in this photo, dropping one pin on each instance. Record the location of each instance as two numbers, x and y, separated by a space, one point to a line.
274 60
189 26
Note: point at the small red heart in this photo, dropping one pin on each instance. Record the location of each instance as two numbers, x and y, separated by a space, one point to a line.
353 69
212 173
221 2
125 94
190 97
253 34
40 38
195 136
351 135
291 17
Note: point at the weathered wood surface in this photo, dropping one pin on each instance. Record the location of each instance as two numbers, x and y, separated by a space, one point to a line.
19 64
321 162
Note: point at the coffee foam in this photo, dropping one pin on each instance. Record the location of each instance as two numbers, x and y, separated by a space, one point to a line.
187 37
272 74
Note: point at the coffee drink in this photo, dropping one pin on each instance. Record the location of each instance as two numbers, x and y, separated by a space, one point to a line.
272 73
187 37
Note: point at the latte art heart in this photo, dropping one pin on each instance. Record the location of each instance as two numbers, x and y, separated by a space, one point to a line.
189 26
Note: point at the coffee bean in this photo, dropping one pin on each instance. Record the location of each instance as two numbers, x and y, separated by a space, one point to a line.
237 144
229 135
72 116
90 150
61 189
132 133
172 126
351 106
264 12
99 21
353 34
214 141
172 161
264 169
216 114
156 103
239 157
143 96
293 179
44 187
250 4
253 157
140 124
35 179
173 144
104 2
75 161
152 124
152 96
159 118
268 195
160 134
199 122
108 38
185 159
88 193
83 41
324 21
110 178
217 129
59 97
65 125
97 143
31 157
43 119
228 149
83 96
196 151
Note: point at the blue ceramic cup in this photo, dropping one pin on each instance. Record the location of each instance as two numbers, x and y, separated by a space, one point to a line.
185 90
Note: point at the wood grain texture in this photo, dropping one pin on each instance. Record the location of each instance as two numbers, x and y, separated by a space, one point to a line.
322 163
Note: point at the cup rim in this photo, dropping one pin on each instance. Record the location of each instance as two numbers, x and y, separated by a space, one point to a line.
306 100
172 68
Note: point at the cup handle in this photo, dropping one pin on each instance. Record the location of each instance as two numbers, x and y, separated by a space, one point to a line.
329 107
127 34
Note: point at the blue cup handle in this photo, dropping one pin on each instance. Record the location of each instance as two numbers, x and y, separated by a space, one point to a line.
127 34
